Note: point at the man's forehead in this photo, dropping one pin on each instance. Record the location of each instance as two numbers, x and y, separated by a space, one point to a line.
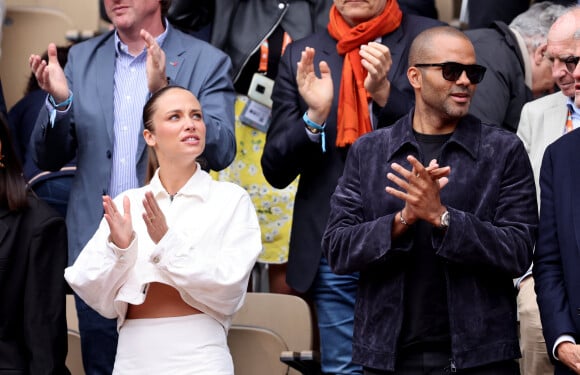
566 46
566 28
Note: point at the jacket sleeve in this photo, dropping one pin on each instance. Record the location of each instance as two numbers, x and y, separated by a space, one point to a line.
506 240
288 149
54 146
45 326
525 129
100 271
352 240
550 283
211 271
217 97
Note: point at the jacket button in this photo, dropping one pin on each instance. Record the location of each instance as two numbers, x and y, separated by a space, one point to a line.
109 154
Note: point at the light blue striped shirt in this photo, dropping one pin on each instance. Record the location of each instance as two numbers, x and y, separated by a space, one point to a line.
130 95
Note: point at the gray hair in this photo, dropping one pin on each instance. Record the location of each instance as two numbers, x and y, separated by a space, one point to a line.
534 24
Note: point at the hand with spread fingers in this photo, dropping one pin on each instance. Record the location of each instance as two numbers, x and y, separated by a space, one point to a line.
420 189
50 76
316 92
121 225
154 218
376 59
155 66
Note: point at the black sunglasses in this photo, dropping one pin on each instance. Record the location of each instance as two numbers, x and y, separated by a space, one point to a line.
452 71
571 63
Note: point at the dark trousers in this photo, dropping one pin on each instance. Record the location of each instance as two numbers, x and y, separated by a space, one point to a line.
98 340
439 363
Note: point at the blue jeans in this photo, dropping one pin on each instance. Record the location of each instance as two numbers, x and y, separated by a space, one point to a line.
334 297
98 340
55 192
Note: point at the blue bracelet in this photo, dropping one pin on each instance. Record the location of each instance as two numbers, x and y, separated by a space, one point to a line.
314 125
61 104
65 103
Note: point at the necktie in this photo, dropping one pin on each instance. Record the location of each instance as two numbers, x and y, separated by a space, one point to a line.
569 124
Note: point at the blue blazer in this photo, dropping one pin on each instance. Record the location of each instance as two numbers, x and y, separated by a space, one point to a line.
557 256
87 128
288 151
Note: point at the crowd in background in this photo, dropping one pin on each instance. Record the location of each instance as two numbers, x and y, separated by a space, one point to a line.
401 173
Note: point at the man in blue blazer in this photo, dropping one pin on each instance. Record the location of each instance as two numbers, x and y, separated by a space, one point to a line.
95 109
557 255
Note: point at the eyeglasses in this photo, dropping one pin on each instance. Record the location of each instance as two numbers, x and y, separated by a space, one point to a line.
452 71
571 62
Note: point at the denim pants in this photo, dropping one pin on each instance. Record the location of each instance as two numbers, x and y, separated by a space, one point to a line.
98 340
334 297
55 192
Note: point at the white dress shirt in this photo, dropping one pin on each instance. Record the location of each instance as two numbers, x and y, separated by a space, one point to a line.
207 254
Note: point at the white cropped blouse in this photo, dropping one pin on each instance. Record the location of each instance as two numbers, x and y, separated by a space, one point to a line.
207 254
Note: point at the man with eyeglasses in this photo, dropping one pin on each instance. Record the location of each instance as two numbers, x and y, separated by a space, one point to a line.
438 247
542 122
557 255
517 70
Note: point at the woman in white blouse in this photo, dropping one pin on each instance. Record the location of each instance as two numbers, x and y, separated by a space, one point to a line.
171 260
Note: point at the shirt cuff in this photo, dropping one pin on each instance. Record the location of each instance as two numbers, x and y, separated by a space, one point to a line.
313 137
522 278
561 339
121 254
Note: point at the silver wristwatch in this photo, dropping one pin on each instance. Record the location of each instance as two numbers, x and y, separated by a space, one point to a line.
444 220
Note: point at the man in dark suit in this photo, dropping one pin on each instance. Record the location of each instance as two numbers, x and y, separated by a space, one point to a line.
517 70
482 13
95 109
557 255
310 135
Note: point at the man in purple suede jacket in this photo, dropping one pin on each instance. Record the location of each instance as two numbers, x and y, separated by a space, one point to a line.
436 249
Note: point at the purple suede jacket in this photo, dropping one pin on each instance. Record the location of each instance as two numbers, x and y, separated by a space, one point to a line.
491 199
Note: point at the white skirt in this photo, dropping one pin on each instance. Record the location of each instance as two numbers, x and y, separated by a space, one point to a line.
192 344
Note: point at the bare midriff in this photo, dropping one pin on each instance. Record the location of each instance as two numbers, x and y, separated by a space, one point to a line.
162 301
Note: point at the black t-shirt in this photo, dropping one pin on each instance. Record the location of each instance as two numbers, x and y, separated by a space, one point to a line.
426 316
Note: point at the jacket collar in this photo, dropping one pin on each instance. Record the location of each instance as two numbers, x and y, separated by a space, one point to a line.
198 185
467 135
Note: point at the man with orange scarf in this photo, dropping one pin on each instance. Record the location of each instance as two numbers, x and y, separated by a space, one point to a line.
331 88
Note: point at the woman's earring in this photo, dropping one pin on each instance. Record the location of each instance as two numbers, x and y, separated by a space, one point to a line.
2 166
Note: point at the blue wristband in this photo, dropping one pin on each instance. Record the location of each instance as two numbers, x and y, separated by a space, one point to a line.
65 103
61 104
314 125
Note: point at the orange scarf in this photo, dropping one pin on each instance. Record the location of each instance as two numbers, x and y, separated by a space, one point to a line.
353 118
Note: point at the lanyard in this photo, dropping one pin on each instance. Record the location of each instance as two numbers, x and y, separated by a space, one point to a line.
264 50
